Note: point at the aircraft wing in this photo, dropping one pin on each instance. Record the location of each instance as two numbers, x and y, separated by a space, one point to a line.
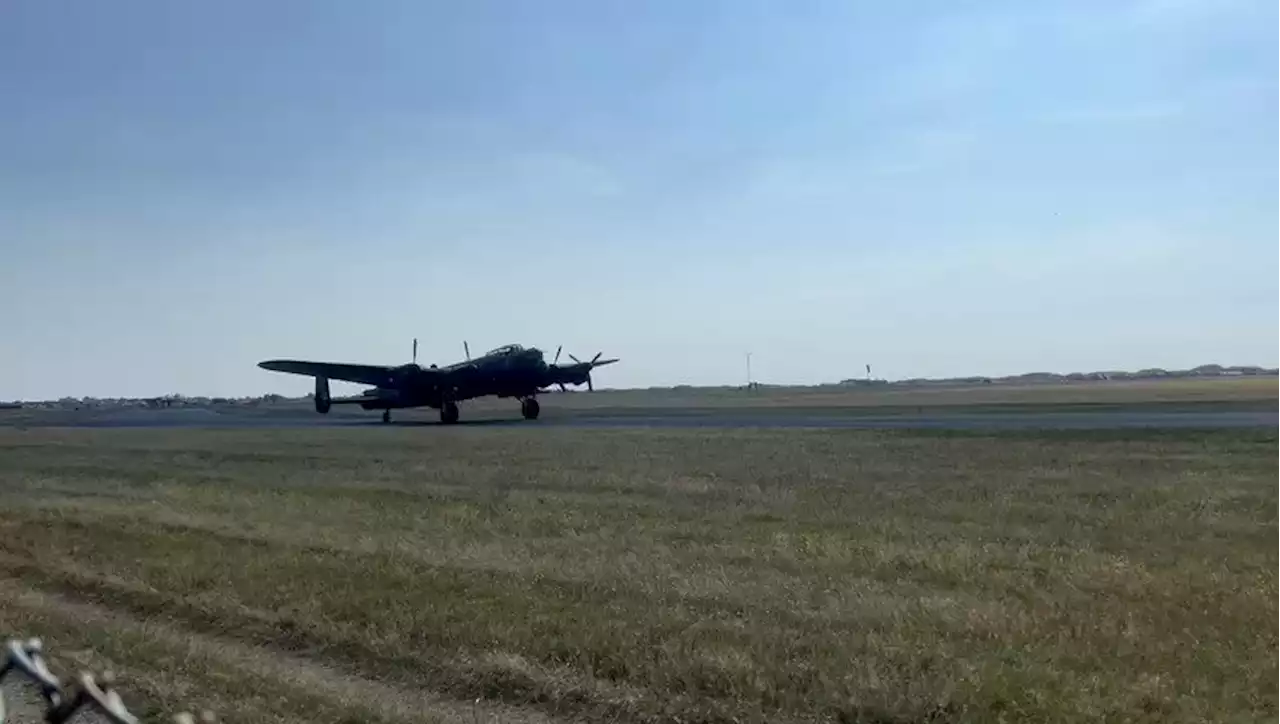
376 375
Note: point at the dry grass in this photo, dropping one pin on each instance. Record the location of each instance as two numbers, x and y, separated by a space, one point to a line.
336 575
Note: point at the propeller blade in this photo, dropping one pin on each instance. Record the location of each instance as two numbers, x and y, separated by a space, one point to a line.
557 359
593 359
590 387
575 359
467 349
562 389
415 350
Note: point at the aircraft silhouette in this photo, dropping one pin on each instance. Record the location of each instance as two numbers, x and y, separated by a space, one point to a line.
508 371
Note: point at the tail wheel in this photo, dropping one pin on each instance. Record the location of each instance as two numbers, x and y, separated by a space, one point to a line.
449 413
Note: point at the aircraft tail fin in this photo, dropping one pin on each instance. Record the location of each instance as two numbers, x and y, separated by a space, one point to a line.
323 399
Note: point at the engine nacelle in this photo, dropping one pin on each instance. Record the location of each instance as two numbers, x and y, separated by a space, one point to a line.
323 400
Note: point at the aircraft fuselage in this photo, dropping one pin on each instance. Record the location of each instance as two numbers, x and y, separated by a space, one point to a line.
509 371
518 374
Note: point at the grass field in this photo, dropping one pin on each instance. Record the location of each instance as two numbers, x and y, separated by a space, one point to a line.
524 574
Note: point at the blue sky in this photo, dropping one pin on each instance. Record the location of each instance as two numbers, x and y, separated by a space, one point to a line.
934 188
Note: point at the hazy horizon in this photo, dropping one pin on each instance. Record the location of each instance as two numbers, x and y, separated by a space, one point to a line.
939 190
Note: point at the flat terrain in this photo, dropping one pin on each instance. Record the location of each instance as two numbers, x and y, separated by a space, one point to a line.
523 573
1187 389
1202 403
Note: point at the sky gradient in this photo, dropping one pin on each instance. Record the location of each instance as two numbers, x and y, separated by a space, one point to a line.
933 188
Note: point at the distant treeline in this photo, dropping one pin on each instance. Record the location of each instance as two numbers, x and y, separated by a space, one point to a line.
1049 377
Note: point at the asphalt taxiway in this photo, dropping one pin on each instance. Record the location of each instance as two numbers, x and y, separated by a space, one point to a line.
957 418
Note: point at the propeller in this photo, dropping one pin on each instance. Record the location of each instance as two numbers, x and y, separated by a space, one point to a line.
415 350
582 368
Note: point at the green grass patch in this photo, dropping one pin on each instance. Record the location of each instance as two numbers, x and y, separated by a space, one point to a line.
681 575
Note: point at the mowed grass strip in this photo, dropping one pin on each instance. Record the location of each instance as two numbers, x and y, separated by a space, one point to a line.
696 575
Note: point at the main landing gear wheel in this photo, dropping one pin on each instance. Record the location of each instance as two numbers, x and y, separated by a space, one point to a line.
529 408
449 413
386 416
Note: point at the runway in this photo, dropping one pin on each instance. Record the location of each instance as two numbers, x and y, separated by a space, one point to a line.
1009 417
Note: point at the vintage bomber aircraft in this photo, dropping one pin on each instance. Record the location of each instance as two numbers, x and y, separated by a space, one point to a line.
508 371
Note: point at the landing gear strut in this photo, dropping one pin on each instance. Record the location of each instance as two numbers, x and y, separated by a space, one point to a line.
529 408
449 413
386 416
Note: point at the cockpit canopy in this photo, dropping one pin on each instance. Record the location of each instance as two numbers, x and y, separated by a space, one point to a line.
507 349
